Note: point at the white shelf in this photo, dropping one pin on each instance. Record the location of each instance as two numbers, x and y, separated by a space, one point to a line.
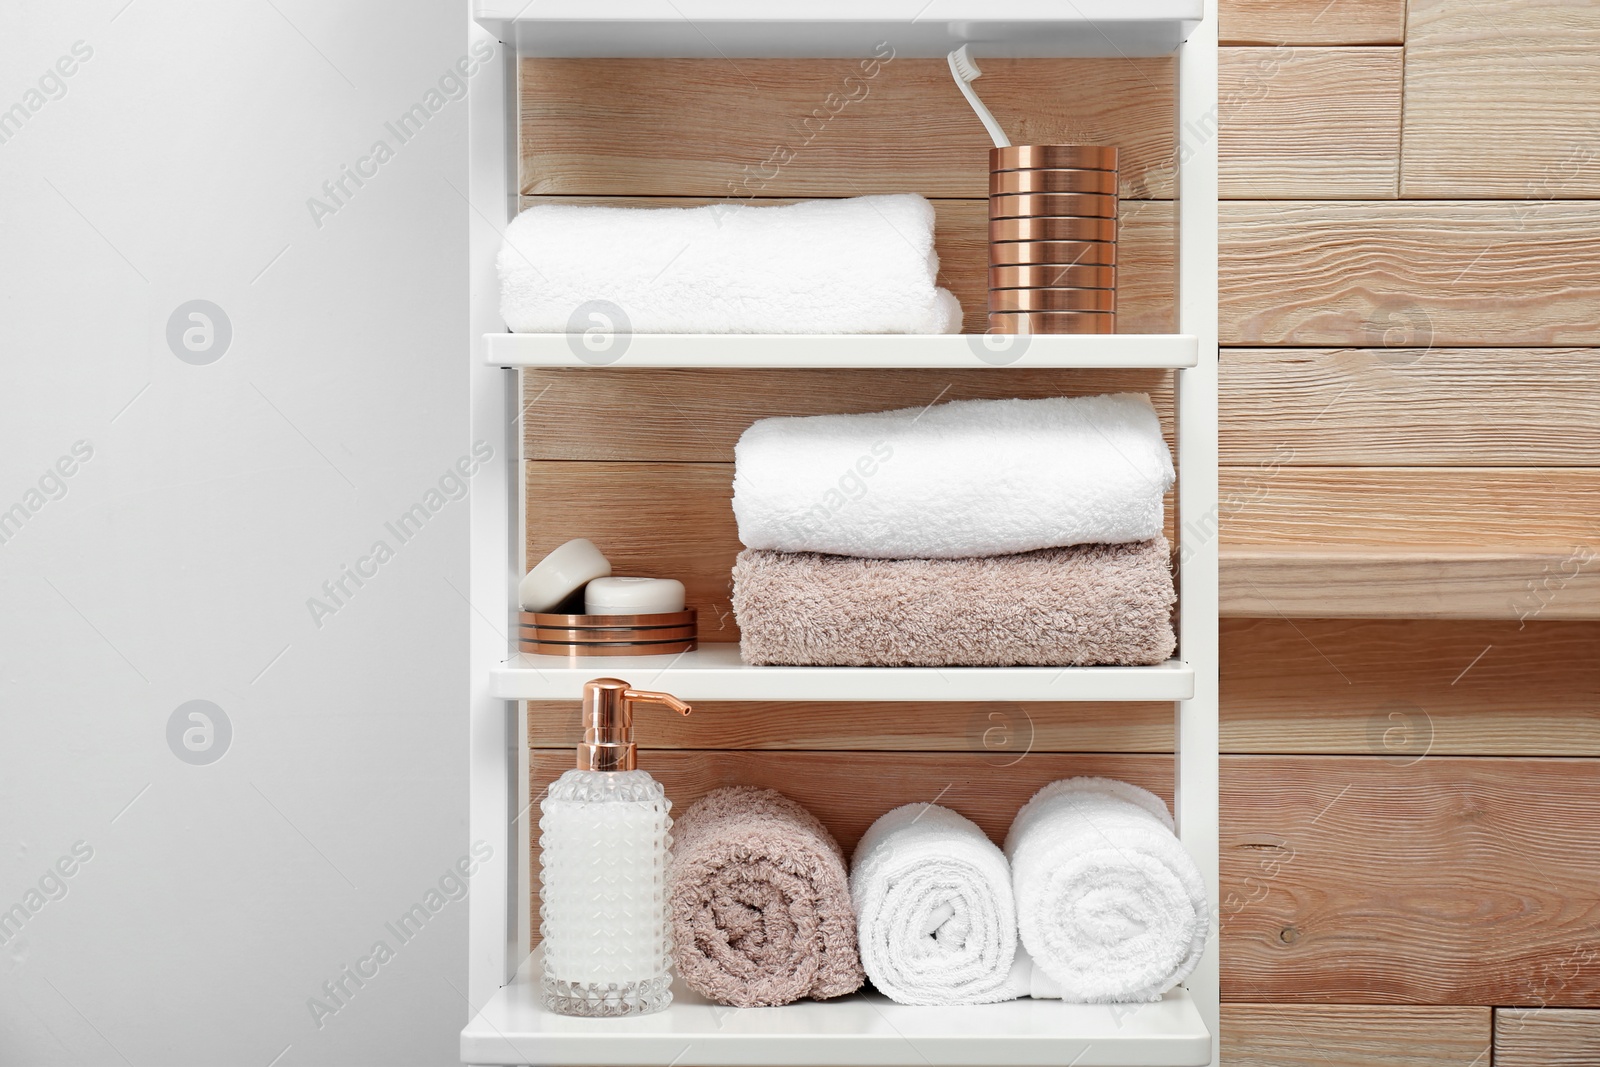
856 1031
940 351
715 672
850 28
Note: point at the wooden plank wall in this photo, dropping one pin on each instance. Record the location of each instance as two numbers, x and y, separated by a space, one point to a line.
1411 512
1410 296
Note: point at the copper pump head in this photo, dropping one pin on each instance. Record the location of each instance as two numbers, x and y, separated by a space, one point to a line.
608 723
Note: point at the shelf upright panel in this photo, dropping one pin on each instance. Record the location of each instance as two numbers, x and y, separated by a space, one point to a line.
496 890
1197 796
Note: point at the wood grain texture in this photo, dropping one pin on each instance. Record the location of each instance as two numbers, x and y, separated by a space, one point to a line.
797 127
1003 731
1445 880
1145 248
1312 21
1317 123
1385 542
1396 274
1503 99
1319 581
1552 509
681 416
1352 1035
1546 1037
1402 407
1406 688
653 520
847 792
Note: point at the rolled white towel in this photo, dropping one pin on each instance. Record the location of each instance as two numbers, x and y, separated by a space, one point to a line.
1109 905
859 265
934 909
969 478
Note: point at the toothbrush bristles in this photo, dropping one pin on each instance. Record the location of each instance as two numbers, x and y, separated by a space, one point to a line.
966 66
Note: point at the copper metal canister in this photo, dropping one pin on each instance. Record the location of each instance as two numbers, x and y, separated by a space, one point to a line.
1052 322
1053 276
1052 239
1053 157
1053 229
1042 253
1064 299
1053 181
1054 205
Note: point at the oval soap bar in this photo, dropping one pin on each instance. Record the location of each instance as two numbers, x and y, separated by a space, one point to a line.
562 573
632 596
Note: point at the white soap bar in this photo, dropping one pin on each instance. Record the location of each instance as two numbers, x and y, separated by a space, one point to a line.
632 596
562 573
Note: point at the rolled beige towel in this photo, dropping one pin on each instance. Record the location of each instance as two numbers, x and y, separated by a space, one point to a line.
1088 605
760 902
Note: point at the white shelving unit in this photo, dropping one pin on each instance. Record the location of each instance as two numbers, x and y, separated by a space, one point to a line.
1151 351
507 1026
715 672
717 29
866 1030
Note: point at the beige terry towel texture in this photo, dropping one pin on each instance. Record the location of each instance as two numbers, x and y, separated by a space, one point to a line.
760 902
1088 605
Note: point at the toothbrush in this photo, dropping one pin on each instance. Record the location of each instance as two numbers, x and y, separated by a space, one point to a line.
965 70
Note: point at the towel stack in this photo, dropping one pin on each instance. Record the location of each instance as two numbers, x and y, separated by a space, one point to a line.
1093 901
859 265
974 533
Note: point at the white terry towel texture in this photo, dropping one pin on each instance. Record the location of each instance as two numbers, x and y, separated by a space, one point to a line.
1109 905
934 909
968 478
859 265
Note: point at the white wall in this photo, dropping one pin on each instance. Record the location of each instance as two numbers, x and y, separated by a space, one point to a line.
220 897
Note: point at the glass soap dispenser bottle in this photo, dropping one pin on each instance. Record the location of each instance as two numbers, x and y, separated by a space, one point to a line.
603 856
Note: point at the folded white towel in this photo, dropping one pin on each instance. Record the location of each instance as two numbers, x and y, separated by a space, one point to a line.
969 478
861 265
934 909
1109 905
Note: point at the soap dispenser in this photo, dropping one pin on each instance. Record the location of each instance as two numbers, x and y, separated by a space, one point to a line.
603 856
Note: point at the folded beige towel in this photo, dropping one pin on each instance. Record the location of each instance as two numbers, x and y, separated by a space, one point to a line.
1081 606
760 901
